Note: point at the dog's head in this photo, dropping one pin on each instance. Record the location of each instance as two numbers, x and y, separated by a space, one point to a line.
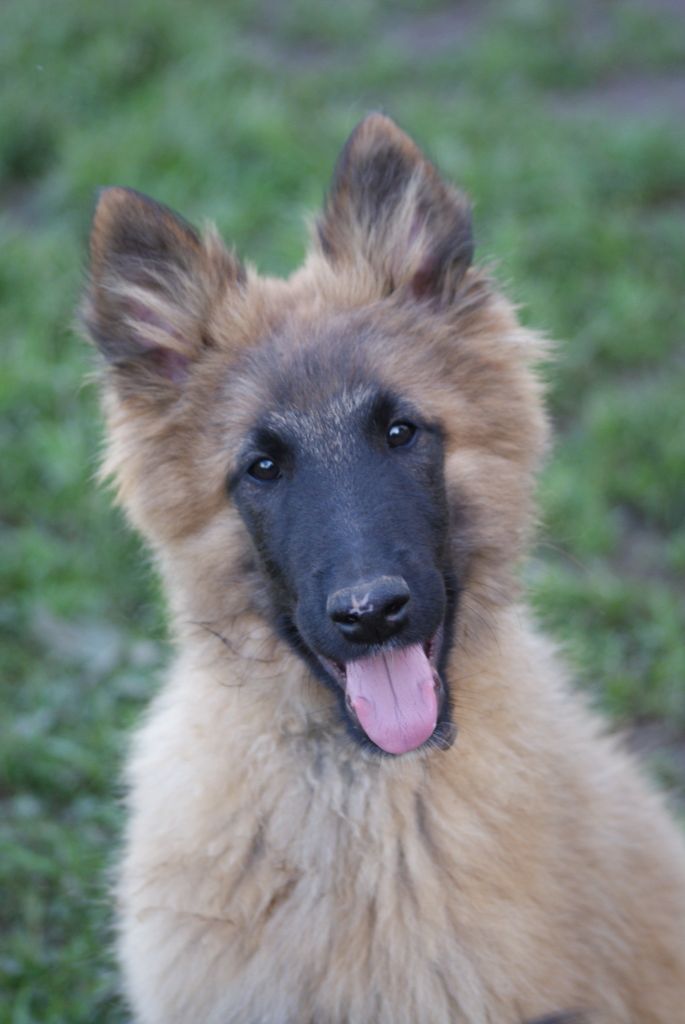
347 453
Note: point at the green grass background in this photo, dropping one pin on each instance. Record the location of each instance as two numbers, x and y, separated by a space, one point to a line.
563 121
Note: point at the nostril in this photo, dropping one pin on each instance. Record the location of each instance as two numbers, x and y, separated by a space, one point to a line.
393 608
345 618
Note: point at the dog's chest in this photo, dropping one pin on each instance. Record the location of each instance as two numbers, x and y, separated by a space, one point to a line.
342 888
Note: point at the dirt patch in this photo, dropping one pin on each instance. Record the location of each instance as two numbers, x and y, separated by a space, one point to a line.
653 96
428 35
676 7
641 553
662 749
416 36
21 204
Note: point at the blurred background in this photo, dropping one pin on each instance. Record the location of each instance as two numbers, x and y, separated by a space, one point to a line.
564 121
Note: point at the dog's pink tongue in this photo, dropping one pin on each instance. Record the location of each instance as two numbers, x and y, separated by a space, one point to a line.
394 698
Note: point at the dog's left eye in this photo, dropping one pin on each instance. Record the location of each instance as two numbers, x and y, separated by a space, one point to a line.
264 469
400 434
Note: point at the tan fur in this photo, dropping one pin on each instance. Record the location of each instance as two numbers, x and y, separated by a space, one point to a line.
273 872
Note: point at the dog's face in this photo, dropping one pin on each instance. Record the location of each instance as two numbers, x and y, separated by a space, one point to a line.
348 452
341 485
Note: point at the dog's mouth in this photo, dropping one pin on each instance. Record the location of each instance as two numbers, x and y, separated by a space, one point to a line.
395 695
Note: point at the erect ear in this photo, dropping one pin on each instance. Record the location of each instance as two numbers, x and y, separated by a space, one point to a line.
154 282
388 205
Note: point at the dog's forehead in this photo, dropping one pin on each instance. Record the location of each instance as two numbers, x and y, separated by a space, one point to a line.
314 382
323 373
326 418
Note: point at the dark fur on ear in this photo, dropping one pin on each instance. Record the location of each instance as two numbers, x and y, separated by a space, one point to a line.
387 203
153 283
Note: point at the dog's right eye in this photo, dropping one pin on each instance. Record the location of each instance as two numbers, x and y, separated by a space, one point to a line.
264 469
401 434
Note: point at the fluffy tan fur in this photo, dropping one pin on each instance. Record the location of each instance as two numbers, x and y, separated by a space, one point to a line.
273 872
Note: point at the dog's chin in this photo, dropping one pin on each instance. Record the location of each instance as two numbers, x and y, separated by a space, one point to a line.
394 696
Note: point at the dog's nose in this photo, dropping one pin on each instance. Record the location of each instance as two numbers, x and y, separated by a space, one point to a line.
372 612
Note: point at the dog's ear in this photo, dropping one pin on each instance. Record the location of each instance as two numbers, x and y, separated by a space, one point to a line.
154 282
388 205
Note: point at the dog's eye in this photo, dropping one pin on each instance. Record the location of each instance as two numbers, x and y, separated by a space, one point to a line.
401 434
264 469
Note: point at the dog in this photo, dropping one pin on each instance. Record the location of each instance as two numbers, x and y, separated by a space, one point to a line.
366 792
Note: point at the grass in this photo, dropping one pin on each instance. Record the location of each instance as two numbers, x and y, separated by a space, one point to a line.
235 112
